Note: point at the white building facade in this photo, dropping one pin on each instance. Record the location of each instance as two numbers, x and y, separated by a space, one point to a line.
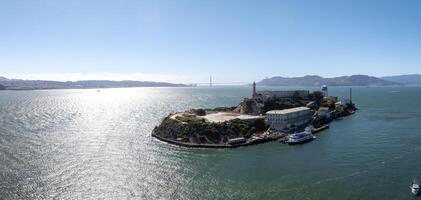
281 119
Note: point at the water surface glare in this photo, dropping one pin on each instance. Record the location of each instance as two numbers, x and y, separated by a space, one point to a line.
84 144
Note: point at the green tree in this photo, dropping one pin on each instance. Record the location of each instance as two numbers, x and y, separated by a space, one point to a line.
317 97
329 103
199 112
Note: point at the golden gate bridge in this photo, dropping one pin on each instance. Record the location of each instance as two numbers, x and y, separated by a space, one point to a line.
212 83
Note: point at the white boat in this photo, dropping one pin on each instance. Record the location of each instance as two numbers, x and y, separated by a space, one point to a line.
415 188
302 137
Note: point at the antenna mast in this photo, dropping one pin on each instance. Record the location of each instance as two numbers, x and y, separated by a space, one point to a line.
350 95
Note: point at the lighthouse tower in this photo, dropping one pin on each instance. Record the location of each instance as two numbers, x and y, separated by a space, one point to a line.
254 90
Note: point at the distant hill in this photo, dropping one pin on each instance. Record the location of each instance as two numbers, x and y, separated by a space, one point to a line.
404 79
15 84
3 78
354 80
2 87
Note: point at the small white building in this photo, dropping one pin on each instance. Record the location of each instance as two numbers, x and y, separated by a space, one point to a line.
345 101
281 119
339 106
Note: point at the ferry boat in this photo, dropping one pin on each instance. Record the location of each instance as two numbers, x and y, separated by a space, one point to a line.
298 138
415 187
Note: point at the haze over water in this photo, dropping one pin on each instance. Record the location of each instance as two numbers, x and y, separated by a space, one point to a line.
84 144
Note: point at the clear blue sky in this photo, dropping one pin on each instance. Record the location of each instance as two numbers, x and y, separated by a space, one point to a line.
186 41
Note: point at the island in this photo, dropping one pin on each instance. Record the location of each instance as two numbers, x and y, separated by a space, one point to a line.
265 116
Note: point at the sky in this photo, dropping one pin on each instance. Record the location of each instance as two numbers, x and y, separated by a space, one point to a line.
187 41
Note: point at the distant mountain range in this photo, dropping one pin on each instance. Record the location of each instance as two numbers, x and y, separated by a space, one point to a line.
404 79
354 80
17 84
307 81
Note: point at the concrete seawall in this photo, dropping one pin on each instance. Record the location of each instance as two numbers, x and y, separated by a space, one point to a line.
213 146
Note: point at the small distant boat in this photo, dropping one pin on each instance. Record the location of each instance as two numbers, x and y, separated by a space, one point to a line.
415 187
298 138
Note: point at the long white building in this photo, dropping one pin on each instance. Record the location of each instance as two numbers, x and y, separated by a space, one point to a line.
280 119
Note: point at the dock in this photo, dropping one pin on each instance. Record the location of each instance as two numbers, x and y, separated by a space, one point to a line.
316 130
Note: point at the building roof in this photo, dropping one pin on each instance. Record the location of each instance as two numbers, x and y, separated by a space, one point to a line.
287 111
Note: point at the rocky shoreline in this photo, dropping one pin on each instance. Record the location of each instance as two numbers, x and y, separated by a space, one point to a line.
216 146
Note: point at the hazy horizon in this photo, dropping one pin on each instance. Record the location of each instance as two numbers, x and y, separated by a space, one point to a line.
143 77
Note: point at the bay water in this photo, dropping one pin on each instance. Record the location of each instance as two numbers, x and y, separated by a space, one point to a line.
89 144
